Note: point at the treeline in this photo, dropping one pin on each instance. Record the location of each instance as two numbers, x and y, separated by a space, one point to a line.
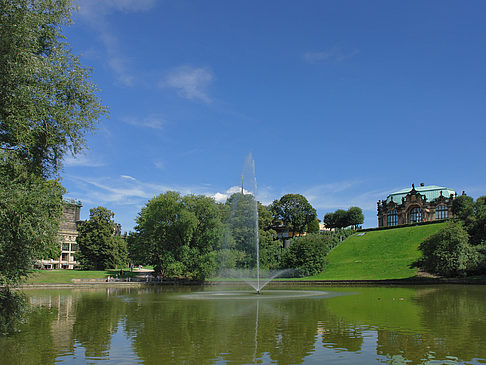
344 218
193 237
459 249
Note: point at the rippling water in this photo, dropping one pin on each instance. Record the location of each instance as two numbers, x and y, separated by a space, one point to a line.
196 325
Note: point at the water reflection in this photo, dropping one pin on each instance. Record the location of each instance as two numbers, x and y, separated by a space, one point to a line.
158 326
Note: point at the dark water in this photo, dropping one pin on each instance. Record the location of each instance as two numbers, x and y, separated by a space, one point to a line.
177 325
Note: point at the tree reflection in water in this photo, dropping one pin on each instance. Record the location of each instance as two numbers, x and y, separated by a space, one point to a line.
158 326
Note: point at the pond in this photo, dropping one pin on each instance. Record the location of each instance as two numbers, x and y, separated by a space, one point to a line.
222 325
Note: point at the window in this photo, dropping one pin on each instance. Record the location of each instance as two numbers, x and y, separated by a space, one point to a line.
441 212
392 218
416 215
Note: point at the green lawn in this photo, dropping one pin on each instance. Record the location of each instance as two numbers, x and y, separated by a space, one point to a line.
65 276
378 255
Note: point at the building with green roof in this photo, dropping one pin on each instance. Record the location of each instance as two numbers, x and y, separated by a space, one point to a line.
418 204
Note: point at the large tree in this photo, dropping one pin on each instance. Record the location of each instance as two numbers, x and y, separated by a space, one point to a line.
47 105
178 235
99 248
47 102
294 211
29 211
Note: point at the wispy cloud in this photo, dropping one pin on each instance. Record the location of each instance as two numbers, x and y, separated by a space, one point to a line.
159 164
152 121
95 14
128 177
335 54
190 82
82 160
342 195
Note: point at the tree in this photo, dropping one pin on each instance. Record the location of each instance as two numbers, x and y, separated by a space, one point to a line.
330 220
341 218
30 209
99 249
242 225
477 227
307 254
294 211
313 226
178 235
47 103
355 216
463 209
448 252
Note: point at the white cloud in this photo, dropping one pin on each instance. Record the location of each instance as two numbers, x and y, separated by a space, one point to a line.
335 54
221 197
159 164
82 161
190 82
152 121
128 177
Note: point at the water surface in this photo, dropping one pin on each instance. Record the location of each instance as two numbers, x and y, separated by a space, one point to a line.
192 325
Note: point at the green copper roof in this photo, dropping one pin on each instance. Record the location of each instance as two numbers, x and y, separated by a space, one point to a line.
431 192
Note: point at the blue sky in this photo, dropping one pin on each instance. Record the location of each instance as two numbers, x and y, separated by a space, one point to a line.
341 101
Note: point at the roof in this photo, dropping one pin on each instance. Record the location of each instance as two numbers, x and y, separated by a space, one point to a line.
431 192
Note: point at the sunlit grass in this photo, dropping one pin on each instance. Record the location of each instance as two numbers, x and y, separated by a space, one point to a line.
66 276
378 255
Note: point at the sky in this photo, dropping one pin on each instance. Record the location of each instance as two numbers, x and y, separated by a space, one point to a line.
343 102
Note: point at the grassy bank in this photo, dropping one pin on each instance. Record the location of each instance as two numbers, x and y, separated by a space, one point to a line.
378 255
65 276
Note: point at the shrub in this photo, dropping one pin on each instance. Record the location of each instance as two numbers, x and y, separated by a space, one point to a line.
448 252
307 254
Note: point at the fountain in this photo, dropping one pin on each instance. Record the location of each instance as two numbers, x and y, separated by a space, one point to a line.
243 236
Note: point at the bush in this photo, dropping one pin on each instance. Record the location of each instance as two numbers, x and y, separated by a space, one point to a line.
307 254
448 252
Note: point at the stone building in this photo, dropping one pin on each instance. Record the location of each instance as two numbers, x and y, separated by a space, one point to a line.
419 204
67 232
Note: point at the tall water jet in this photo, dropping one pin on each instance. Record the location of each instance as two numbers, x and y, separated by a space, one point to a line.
241 257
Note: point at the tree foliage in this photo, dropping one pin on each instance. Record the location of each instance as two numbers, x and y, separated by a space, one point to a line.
355 216
30 209
294 211
313 226
477 224
47 105
47 102
342 218
243 226
99 249
463 208
448 252
307 254
178 235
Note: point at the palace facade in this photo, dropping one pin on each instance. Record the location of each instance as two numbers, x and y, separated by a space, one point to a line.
418 204
68 232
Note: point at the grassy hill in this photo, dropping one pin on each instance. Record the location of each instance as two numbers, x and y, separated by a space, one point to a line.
378 255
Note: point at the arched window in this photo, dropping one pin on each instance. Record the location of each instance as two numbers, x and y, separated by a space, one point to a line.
392 218
441 212
416 215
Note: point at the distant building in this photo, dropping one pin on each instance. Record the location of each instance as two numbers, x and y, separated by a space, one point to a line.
419 204
68 233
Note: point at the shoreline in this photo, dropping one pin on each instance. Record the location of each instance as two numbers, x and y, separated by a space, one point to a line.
90 283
